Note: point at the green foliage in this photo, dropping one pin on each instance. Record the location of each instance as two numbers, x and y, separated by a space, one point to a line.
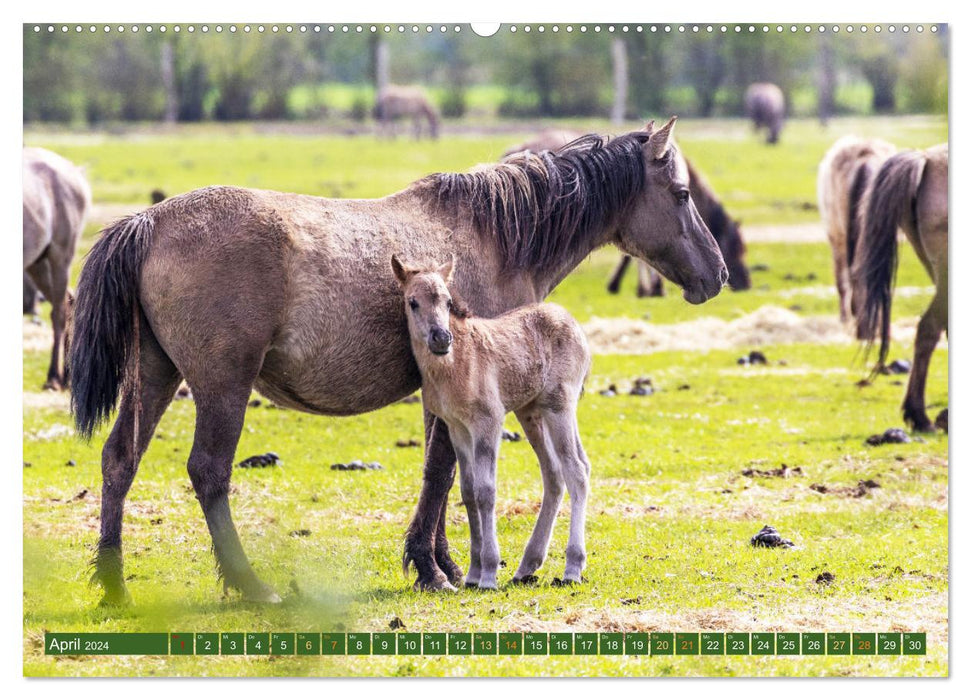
100 77
453 104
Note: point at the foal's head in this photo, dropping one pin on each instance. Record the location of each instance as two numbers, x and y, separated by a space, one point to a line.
428 303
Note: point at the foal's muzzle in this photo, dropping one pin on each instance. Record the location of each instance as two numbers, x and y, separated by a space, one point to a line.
439 341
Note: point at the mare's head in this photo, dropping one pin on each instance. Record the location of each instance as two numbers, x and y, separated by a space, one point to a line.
428 304
663 225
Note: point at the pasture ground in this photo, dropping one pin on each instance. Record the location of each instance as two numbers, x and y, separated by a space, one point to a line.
671 511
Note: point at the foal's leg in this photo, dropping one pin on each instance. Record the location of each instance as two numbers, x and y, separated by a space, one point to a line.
219 422
158 380
425 543
613 286
464 449
565 437
539 541
929 330
485 451
649 281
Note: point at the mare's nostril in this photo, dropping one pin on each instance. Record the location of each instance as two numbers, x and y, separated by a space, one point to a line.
723 276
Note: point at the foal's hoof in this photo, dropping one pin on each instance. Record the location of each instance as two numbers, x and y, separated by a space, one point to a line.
528 580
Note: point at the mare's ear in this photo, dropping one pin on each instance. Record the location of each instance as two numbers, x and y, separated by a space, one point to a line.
401 273
661 139
649 127
447 269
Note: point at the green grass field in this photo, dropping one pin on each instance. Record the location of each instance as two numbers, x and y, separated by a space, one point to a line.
671 511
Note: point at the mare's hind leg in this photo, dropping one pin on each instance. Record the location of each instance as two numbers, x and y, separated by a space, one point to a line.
539 541
929 330
219 422
649 281
613 286
158 380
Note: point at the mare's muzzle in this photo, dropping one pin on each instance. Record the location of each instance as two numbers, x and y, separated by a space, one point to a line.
439 341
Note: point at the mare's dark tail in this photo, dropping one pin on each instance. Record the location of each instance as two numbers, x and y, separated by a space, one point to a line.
104 319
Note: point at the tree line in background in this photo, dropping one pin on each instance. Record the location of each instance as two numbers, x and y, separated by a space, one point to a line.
91 78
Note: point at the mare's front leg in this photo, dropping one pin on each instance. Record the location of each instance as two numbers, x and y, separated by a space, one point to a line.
425 543
485 452
539 541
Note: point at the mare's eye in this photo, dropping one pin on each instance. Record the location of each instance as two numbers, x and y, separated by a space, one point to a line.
413 304
682 196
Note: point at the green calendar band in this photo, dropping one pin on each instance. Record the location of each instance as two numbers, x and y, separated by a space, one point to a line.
487 643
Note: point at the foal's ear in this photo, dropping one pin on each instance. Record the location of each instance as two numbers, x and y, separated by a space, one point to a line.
661 139
649 127
447 269
401 273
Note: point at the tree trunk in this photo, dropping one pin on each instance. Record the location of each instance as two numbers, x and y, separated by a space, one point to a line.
168 81
826 92
380 63
621 80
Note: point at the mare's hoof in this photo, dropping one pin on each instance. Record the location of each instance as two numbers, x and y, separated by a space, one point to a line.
53 385
258 592
267 596
941 420
436 584
116 598
452 571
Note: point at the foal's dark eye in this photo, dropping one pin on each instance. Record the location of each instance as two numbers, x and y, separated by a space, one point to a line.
448 304
682 196
413 303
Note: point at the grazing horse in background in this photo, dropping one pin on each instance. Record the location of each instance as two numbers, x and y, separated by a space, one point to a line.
401 101
56 201
765 105
909 192
727 234
532 360
234 289
843 177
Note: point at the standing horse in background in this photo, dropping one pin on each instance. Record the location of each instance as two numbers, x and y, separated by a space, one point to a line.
843 177
234 289
725 230
56 201
765 105
395 102
909 192
547 140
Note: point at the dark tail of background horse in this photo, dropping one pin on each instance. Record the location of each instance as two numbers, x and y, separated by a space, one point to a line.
104 320
890 203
